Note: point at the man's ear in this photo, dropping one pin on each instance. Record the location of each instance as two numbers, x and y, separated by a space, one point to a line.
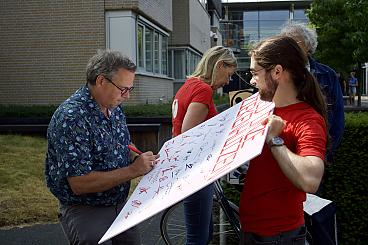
99 80
278 70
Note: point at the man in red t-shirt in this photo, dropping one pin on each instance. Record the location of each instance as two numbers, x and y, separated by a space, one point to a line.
292 160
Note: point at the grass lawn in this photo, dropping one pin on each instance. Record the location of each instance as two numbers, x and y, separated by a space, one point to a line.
25 198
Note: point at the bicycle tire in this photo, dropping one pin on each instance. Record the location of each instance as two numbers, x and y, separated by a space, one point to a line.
173 231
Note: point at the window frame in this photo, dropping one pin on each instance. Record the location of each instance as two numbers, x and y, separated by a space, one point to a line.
157 59
183 62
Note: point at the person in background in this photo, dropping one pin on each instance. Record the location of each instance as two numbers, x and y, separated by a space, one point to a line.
192 105
88 163
292 161
307 39
342 82
353 84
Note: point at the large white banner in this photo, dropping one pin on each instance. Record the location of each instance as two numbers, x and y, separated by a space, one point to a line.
195 159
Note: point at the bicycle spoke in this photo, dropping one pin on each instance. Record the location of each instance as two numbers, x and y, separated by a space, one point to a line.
173 225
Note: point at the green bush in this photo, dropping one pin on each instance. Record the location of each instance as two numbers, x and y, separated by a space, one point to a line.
43 111
19 111
220 99
345 181
143 110
148 110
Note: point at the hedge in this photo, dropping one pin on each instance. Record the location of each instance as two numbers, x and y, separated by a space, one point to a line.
42 111
345 182
143 110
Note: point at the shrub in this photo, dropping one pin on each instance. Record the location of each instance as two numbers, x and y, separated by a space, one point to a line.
143 110
19 111
346 181
148 110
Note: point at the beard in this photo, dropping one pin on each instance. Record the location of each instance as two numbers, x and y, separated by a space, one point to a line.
269 89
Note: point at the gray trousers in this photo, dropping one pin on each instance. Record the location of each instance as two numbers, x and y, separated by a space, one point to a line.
87 224
293 237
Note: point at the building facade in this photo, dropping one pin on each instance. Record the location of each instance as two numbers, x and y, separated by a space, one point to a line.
45 47
245 22
195 29
141 30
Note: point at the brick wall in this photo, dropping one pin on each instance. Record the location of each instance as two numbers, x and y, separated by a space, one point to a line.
150 90
45 47
180 35
191 25
158 11
121 4
199 26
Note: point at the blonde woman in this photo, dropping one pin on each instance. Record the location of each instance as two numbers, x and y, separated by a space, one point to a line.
192 105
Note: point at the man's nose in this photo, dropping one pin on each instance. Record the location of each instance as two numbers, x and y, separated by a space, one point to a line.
126 95
253 81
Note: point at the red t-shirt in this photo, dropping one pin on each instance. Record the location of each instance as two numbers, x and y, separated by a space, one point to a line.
270 203
193 90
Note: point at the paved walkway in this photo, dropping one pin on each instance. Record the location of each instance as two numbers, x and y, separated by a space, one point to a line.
364 104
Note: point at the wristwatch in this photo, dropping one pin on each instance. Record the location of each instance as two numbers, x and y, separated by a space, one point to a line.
275 141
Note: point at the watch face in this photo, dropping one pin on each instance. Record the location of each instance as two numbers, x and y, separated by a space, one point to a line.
276 141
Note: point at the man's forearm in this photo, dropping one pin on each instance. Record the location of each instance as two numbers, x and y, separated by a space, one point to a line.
304 172
98 181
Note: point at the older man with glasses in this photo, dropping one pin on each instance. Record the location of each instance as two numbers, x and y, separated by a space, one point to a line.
306 38
88 162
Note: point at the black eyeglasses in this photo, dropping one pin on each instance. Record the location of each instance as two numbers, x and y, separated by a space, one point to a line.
123 90
253 72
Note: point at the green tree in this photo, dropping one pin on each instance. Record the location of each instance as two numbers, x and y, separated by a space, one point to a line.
342 27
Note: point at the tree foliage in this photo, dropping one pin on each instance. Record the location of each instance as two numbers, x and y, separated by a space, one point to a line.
342 28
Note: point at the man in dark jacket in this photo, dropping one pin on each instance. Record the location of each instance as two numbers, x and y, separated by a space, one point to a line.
328 80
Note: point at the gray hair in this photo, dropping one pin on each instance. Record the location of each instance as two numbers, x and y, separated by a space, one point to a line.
295 29
107 63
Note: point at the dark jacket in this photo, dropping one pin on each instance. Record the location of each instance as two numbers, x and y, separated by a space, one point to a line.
330 86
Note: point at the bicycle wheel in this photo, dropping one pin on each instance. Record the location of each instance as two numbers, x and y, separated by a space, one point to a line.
173 225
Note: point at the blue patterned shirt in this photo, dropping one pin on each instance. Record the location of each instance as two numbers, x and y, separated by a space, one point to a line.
80 140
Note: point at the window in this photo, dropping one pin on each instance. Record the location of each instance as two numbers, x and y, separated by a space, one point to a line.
179 64
156 53
184 62
299 15
264 23
171 63
152 55
243 28
192 61
148 48
140 45
164 55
